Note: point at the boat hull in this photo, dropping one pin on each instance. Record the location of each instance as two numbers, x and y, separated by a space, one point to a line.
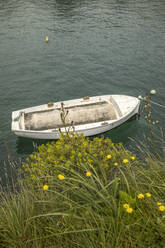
86 132
126 107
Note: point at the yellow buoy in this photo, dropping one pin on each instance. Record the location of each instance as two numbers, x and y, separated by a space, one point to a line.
47 39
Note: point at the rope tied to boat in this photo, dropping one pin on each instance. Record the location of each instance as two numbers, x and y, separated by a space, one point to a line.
144 99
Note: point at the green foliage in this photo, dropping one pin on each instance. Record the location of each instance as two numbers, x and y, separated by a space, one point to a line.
86 203
126 198
71 151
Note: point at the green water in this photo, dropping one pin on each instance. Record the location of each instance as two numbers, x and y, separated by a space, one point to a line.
95 47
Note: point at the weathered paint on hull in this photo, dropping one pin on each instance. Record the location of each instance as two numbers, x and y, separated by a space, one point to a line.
86 132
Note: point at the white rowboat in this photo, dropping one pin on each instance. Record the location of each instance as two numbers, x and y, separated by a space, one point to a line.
88 115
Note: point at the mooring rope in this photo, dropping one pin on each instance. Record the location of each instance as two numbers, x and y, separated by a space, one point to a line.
158 104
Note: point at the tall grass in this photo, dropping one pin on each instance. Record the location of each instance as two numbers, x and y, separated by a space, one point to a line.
87 210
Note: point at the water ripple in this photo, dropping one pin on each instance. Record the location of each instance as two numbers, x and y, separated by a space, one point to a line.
95 47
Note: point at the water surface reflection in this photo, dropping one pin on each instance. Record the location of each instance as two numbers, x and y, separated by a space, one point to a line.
96 47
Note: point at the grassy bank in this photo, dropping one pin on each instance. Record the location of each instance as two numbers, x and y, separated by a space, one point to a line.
82 193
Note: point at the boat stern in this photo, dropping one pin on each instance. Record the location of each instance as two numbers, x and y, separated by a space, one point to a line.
17 120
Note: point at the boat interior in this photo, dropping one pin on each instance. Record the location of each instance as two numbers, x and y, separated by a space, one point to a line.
76 115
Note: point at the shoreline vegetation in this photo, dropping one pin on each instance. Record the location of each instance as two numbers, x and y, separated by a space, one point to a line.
83 193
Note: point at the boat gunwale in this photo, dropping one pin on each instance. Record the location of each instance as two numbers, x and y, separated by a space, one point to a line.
109 122
78 107
89 126
67 107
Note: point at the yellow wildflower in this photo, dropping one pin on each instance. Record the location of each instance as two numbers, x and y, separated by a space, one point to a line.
47 39
148 195
109 156
129 210
118 178
88 173
140 196
61 177
159 203
45 187
125 161
162 208
116 164
126 205
133 157
79 154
